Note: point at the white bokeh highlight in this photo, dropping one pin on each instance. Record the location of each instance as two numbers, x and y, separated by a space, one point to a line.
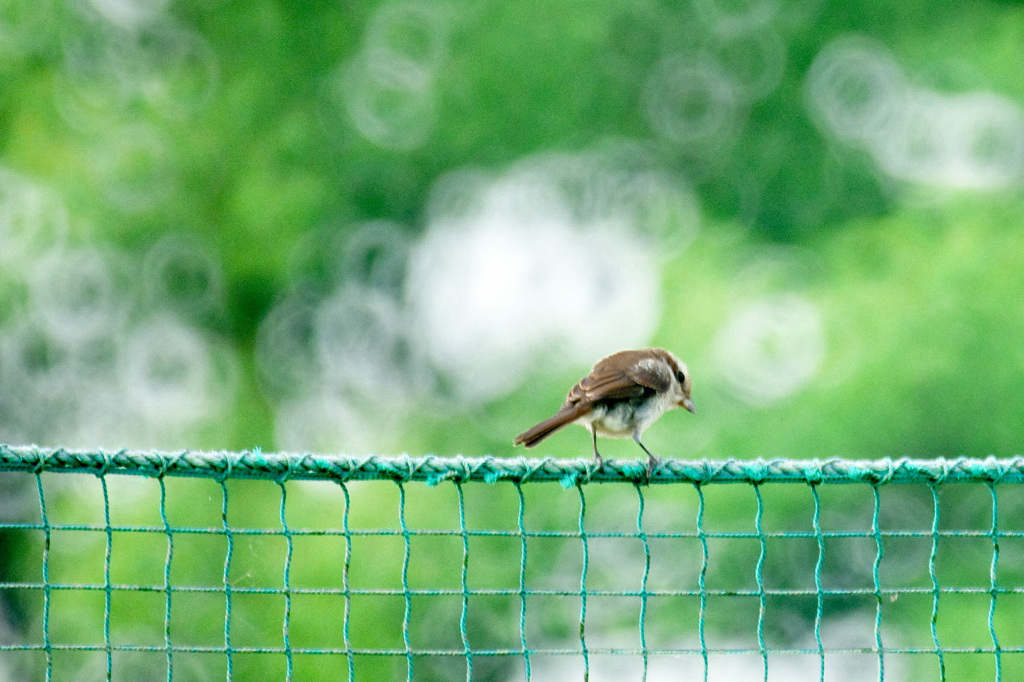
554 262
361 347
76 295
515 267
850 632
386 91
183 274
33 221
168 372
94 348
770 348
131 54
337 365
694 103
129 14
857 92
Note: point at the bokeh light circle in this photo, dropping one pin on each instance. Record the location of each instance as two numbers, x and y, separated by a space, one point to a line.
168 372
856 87
771 348
693 103
77 296
181 273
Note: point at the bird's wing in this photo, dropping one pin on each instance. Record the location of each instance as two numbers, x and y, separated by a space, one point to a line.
652 374
610 381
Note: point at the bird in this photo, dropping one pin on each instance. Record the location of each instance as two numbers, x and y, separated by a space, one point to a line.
624 394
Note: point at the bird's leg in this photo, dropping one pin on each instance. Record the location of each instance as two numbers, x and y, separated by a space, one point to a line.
652 461
597 455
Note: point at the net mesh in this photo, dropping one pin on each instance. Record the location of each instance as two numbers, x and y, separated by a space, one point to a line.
196 565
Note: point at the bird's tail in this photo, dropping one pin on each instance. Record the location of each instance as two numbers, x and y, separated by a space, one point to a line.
532 436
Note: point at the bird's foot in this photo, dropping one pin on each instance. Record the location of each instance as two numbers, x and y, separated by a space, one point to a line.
652 462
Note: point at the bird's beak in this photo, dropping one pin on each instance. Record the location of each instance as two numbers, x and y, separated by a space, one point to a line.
688 404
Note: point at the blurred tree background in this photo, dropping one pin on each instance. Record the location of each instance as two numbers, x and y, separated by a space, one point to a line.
410 226
353 227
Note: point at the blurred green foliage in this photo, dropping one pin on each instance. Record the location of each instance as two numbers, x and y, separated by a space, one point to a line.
254 164
242 140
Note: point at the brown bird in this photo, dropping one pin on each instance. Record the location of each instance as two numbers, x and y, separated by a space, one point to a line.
623 395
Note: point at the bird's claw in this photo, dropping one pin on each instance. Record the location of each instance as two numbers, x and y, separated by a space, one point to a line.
652 462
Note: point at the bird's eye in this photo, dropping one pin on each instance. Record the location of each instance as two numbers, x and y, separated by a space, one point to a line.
680 377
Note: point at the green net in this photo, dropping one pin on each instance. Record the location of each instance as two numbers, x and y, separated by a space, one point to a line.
195 565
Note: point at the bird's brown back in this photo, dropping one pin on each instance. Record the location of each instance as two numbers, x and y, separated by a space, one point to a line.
618 377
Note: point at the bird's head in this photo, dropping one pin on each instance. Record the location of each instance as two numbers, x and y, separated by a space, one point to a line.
682 384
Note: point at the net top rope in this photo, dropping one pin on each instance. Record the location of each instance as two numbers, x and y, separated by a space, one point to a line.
254 464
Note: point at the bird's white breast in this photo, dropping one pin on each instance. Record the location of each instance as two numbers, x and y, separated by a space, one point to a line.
619 420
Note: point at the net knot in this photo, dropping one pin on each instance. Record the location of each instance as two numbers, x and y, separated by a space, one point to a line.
875 473
813 473
757 471
937 472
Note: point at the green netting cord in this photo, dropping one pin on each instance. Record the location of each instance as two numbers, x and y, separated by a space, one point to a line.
433 470
457 471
